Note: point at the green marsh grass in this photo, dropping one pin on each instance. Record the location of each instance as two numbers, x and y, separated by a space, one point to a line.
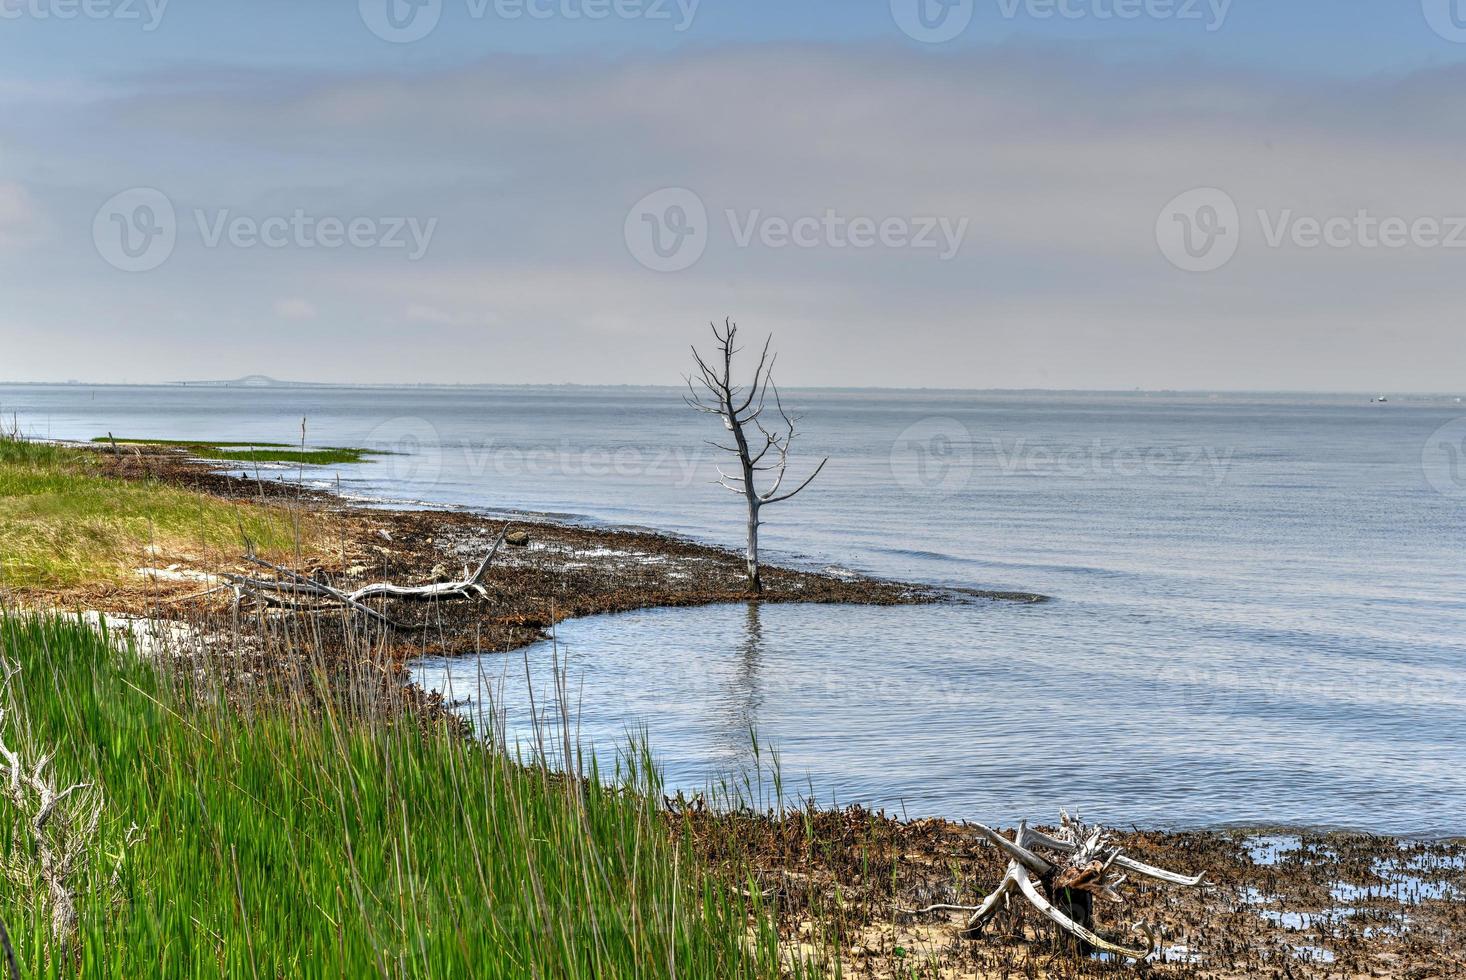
321 837
246 451
63 522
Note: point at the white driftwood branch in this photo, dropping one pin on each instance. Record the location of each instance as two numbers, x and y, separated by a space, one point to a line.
1129 864
61 828
1034 896
300 585
292 585
1017 853
1083 863
990 904
466 589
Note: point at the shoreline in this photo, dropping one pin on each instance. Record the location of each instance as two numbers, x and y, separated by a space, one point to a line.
566 570
1369 902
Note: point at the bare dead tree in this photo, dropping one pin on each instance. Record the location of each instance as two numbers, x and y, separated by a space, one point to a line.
762 450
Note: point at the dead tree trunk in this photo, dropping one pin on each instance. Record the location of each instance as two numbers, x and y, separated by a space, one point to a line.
714 393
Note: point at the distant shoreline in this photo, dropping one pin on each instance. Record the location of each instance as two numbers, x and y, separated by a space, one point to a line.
1365 394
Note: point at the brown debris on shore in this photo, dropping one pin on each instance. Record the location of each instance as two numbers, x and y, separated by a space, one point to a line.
1275 905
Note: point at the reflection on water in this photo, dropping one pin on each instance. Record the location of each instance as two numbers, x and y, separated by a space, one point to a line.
878 706
744 696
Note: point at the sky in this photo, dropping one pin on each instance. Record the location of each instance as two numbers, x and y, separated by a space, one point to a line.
1182 194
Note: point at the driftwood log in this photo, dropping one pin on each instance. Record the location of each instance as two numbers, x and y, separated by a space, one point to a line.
1078 866
289 587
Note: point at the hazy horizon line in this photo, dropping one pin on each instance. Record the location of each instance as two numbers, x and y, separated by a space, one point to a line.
283 383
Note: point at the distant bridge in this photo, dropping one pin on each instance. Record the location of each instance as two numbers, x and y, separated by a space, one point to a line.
248 381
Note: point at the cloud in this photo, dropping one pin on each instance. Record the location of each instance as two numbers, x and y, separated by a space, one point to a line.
1059 161
296 309
426 313
20 219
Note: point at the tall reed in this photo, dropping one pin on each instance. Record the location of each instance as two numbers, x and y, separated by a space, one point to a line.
298 832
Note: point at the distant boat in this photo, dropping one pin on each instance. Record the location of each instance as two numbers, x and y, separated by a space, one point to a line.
1381 399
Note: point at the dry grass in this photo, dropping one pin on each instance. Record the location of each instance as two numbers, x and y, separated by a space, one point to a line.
64 524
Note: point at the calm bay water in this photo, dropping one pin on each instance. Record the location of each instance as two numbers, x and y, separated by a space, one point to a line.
1259 605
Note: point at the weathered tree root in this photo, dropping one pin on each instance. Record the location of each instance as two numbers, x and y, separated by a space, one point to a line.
1080 871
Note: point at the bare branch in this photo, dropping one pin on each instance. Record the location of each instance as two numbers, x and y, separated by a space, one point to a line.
808 480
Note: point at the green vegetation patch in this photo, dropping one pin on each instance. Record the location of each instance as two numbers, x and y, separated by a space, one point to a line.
63 522
246 451
282 841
